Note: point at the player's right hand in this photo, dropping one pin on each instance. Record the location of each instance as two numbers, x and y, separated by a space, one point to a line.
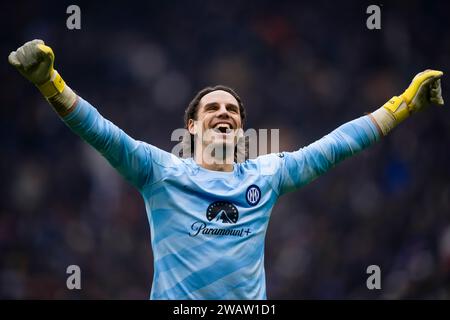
34 60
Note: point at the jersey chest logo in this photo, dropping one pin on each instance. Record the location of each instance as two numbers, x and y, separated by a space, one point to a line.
253 195
223 211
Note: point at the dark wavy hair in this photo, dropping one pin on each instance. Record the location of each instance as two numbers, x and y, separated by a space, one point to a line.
191 112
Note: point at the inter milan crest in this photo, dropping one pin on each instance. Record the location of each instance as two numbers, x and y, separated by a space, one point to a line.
223 211
253 195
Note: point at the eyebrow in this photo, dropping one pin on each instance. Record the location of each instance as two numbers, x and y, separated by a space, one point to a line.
215 103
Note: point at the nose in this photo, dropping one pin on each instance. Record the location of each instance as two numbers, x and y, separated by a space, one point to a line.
222 112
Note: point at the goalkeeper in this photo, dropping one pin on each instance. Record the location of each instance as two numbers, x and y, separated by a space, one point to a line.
208 214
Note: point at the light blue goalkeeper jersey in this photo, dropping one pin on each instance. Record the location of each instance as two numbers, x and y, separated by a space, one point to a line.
208 227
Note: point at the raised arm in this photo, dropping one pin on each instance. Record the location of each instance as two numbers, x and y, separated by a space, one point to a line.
303 166
131 158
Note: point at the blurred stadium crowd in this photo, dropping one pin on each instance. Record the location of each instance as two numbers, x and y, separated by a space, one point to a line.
302 67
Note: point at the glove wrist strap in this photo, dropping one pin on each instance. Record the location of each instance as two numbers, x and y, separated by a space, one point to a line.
398 108
52 87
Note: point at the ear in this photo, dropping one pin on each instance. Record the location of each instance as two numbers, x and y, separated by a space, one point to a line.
191 126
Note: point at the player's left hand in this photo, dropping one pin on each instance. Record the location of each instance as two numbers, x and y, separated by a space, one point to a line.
424 90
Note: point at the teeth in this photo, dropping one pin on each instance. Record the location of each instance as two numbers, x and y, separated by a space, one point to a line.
222 129
223 125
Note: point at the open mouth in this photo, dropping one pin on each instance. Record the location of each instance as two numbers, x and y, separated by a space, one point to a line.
223 128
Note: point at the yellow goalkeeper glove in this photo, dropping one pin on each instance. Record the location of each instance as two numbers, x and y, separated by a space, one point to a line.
424 89
35 60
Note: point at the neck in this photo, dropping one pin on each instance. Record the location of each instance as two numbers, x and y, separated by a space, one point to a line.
210 161
215 166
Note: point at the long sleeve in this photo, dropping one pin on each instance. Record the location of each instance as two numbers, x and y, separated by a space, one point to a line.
132 158
292 170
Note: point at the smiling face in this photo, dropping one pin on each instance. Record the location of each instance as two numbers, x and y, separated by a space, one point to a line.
218 119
